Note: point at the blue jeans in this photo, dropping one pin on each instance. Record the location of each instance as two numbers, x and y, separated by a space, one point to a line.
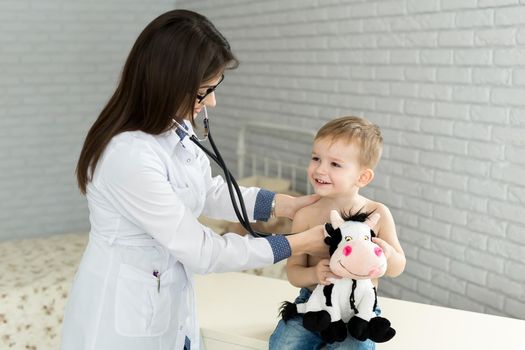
293 336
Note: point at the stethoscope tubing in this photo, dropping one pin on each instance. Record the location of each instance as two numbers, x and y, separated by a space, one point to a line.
233 187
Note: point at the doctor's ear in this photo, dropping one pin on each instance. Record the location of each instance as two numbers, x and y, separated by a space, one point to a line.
365 177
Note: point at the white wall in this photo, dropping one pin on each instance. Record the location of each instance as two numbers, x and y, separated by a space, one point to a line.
445 80
59 62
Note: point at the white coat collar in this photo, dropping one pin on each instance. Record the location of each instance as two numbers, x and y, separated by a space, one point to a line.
171 138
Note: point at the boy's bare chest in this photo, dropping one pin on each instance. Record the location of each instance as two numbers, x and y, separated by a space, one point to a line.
319 214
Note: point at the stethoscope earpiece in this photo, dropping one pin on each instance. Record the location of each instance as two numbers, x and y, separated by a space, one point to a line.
193 135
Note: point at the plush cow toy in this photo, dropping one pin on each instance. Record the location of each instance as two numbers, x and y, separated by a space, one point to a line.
349 302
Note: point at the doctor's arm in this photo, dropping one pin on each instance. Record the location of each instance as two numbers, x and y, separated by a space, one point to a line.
258 201
138 188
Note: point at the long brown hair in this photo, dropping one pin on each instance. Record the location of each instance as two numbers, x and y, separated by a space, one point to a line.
172 57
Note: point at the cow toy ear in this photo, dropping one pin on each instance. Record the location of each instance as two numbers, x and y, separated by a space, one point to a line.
336 219
332 237
372 220
328 230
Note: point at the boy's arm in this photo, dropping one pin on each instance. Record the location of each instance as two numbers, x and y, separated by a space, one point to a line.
299 273
388 241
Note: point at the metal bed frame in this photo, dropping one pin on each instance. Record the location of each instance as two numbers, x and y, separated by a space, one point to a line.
260 163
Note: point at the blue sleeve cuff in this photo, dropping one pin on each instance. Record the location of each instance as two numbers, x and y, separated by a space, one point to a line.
280 247
263 205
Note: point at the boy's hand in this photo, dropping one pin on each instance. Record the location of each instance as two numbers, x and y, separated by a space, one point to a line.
323 272
388 250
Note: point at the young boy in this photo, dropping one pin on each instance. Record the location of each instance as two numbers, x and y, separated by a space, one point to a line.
345 152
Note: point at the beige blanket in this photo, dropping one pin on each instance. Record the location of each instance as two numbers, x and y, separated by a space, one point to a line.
35 278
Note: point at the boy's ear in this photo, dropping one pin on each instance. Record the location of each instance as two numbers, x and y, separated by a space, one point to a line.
366 176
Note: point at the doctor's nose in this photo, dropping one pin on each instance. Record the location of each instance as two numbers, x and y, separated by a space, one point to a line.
210 101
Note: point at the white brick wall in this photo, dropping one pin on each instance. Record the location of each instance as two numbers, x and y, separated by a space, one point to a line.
444 80
59 61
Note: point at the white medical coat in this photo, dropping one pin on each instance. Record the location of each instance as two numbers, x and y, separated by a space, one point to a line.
144 198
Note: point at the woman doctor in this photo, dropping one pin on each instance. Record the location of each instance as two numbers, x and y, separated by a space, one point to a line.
146 183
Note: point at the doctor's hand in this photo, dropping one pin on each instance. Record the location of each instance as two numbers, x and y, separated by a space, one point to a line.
286 205
309 242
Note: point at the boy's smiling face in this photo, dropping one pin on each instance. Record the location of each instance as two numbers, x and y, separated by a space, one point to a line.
334 168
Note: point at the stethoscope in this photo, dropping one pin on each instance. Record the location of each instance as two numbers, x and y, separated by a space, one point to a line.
241 214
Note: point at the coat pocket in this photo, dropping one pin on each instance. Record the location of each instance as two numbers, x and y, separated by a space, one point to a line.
142 309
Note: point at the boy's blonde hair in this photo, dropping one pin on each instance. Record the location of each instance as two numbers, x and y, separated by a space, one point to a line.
358 131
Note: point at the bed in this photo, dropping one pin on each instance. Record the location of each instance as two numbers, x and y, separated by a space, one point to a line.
36 274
